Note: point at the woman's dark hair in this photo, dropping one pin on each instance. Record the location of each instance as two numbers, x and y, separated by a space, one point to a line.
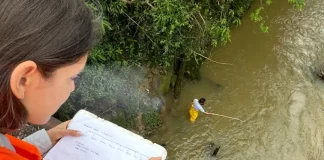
52 33
202 101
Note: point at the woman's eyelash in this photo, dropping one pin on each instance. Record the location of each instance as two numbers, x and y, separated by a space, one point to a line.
76 77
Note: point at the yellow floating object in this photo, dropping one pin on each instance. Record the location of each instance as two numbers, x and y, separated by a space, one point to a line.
193 113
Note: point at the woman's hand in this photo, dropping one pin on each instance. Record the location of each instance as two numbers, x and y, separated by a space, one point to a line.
155 158
56 133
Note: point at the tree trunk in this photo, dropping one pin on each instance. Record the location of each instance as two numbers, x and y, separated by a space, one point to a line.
180 76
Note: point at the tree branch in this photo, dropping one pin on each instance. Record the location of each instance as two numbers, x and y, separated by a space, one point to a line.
139 26
148 3
194 17
132 1
202 18
108 110
128 1
211 59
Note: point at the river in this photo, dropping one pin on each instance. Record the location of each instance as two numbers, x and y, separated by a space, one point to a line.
270 86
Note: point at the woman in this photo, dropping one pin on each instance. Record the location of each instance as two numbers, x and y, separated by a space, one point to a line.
44 45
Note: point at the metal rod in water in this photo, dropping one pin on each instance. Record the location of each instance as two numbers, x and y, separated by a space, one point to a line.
225 116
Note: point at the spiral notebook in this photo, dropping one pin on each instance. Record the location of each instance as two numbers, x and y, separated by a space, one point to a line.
103 140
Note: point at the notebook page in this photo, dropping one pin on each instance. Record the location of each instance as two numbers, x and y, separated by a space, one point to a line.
103 140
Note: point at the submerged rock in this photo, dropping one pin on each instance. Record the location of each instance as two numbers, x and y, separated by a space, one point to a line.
321 74
214 149
318 71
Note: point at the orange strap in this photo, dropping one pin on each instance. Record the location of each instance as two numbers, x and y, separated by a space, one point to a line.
24 149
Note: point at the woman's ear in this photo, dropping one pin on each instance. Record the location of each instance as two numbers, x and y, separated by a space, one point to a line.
21 77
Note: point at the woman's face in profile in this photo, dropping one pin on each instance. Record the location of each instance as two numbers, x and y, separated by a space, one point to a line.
43 97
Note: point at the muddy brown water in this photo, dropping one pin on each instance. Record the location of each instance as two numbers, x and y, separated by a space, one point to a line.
270 87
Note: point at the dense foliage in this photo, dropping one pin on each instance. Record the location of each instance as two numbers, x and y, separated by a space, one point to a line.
114 93
157 32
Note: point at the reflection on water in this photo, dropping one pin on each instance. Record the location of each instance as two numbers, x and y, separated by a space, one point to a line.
270 86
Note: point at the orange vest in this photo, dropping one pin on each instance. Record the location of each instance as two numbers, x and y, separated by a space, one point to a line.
24 151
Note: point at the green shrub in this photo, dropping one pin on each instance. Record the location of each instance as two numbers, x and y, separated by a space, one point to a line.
107 89
152 121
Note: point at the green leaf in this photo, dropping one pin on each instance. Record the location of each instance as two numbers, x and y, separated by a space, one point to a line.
214 43
264 28
255 16
237 22
298 4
